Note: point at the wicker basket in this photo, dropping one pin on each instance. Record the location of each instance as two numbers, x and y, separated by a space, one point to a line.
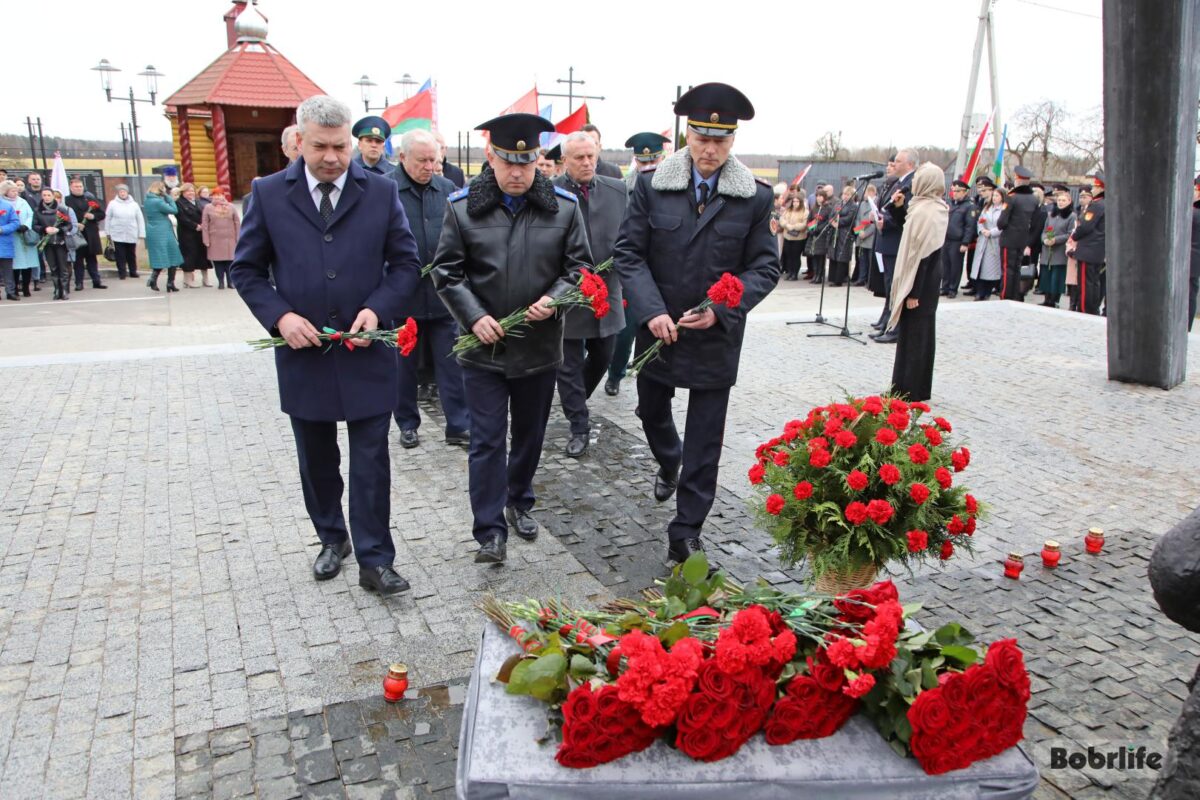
841 582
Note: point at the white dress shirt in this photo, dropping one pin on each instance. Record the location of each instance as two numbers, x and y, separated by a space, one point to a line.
314 182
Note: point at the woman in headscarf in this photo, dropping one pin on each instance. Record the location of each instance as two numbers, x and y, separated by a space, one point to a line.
916 284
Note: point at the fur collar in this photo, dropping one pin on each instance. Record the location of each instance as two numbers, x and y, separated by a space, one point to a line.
484 194
675 172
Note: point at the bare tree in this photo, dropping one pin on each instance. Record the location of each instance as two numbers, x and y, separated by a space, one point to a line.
1085 139
829 146
1036 125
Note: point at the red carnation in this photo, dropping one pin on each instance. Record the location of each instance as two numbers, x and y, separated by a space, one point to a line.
880 511
970 526
972 504
775 504
860 685
918 454
845 439
841 653
873 405
943 423
833 425
944 478
756 474
856 513
657 682
406 337
600 308
818 443
898 406
917 541
956 525
820 458
781 458
857 480
947 550
920 406
919 492
803 490
933 435
889 474
898 420
727 291
886 436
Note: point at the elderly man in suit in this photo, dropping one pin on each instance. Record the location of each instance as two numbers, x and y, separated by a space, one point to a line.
700 214
327 227
588 342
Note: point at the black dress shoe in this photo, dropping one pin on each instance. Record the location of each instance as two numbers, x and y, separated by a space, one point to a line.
79 287
951 295
409 439
492 551
522 523
969 290
461 438
382 579
329 560
665 484
891 337
577 445
679 550
877 326
612 388
99 286
424 393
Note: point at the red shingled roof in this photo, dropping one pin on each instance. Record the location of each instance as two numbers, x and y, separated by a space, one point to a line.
252 74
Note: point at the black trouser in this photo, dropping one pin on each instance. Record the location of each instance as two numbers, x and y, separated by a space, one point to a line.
440 334
889 271
793 252
585 361
952 266
7 277
126 258
839 272
622 349
1193 290
499 474
984 289
370 485
697 456
222 268
1010 280
864 258
21 278
58 267
86 259
816 268
1091 287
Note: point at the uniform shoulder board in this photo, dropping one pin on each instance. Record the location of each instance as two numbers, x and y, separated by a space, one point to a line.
762 182
561 192
459 195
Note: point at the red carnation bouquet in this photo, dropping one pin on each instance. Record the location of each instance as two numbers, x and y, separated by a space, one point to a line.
62 221
862 483
590 292
403 338
706 664
725 292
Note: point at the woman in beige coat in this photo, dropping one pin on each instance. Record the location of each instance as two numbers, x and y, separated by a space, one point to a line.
220 225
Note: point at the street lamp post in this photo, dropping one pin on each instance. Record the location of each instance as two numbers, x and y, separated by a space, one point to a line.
151 75
365 84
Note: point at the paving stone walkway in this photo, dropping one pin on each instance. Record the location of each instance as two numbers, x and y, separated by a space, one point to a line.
160 633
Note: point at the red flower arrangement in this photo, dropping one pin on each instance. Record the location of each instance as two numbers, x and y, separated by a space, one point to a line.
403 338
406 337
727 291
707 665
876 470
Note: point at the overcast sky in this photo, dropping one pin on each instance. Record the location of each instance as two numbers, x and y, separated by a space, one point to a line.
880 72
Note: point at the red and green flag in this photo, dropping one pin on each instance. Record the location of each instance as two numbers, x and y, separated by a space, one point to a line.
417 112
973 162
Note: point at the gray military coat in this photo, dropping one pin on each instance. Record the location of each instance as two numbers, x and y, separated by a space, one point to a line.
602 212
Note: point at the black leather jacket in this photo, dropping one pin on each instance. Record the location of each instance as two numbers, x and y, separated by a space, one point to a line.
492 261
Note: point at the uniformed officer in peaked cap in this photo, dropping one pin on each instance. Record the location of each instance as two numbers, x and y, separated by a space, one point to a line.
372 134
1087 245
511 240
701 213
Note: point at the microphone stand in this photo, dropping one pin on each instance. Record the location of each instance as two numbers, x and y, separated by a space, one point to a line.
820 319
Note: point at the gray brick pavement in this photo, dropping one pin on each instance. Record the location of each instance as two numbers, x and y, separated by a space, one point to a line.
154 554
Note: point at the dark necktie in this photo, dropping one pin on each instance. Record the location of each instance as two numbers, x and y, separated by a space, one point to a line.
326 203
703 197
583 191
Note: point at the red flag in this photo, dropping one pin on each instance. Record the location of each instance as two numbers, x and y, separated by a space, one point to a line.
800 177
973 162
573 122
526 103
417 111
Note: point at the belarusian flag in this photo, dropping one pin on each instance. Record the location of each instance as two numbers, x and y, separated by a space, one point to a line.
973 162
414 113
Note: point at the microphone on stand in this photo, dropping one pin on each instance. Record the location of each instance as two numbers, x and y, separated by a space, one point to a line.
870 176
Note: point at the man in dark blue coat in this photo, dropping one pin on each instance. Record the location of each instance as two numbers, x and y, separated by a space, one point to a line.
327 227
700 214
424 195
1087 245
961 230
893 209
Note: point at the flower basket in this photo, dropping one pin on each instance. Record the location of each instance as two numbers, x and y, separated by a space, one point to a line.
861 484
841 581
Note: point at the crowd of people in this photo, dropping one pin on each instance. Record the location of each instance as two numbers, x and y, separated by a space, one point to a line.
1006 241
46 238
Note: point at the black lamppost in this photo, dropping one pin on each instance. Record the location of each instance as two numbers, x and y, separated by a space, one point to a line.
151 75
364 85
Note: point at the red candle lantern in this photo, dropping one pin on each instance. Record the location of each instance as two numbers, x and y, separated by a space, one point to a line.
1013 566
1051 554
1094 540
396 683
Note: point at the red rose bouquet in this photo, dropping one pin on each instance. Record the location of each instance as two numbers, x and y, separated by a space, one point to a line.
864 483
725 292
